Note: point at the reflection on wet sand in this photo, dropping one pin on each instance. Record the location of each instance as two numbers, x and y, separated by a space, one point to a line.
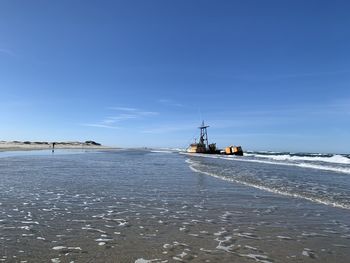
130 207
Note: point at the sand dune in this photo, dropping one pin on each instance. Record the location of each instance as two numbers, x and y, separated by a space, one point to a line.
27 145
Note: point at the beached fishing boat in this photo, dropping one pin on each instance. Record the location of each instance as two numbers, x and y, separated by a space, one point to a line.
203 145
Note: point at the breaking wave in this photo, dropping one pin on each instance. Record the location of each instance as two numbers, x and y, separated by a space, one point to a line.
338 159
327 162
304 186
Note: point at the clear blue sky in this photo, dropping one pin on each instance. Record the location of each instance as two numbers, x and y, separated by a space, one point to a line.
269 75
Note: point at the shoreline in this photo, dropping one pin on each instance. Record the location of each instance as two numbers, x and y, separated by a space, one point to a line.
33 146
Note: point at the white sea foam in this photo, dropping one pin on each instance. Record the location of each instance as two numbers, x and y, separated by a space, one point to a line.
257 257
338 159
337 169
302 165
59 248
250 247
284 237
30 222
222 242
161 151
268 189
182 255
308 253
142 260
103 239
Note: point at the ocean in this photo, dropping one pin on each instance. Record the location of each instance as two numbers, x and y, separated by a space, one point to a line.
164 206
322 178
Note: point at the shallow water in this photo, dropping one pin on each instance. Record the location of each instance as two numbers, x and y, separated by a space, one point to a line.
285 178
142 206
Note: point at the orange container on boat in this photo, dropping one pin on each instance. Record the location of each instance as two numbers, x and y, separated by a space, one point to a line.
237 150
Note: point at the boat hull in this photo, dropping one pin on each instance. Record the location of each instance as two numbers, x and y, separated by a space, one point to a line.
196 148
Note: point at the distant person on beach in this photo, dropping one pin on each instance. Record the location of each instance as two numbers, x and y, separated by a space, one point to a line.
53 146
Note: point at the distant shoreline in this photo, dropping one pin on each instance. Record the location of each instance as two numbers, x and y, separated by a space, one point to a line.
29 146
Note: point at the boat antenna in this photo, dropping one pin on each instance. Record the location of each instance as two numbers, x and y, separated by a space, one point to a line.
200 114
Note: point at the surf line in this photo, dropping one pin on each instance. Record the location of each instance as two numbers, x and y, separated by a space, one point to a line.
300 165
264 188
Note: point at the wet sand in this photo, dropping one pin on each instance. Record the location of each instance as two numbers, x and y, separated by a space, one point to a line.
139 206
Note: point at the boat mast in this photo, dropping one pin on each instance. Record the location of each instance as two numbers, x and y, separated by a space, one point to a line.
204 135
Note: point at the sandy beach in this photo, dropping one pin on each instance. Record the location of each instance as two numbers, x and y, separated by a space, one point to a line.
30 146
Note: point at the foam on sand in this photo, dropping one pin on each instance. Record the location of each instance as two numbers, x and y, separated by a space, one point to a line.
142 260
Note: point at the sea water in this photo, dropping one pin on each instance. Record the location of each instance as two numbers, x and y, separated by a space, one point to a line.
315 177
164 206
